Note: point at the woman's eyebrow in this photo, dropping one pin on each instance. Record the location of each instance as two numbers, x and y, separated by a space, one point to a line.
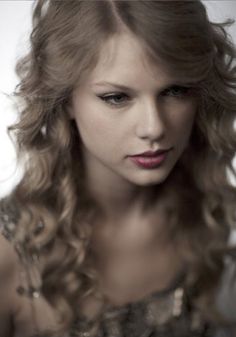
126 88
115 85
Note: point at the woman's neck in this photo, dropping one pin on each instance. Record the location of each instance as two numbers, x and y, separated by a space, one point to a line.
117 201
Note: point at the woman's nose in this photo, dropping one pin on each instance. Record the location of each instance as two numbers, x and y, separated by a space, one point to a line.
150 124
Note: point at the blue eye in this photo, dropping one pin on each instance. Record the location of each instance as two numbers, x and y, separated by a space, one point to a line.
176 91
114 99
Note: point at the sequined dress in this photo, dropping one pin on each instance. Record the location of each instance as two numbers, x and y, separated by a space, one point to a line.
169 313
153 317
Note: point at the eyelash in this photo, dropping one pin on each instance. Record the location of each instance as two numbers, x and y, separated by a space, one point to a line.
109 97
184 91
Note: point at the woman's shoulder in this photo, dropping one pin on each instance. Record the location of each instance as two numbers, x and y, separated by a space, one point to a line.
9 264
24 312
8 272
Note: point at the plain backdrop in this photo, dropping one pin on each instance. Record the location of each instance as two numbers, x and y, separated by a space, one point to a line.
15 26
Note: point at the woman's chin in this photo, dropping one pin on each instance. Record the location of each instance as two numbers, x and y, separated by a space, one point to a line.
150 178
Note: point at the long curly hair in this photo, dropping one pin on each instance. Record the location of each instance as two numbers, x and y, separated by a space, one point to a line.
65 42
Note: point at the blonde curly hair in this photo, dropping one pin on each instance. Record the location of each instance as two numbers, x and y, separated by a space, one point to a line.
65 43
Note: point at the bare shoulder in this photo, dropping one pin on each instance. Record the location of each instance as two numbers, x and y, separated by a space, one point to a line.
8 258
9 265
8 272
21 313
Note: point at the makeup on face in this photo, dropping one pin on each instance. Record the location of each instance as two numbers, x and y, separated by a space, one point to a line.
134 120
150 159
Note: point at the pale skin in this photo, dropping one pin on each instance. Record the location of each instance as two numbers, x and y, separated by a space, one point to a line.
140 117
147 114
147 119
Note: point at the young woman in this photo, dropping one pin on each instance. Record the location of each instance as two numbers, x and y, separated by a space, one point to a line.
121 222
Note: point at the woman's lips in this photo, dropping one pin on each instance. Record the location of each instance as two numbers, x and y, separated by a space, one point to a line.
150 162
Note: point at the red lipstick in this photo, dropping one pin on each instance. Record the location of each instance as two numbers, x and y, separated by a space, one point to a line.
150 159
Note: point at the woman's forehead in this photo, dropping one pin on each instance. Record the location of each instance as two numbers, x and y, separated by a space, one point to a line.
124 57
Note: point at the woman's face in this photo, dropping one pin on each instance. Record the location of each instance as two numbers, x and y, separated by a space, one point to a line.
127 106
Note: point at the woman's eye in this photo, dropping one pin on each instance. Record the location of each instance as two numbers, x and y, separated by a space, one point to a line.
176 91
114 99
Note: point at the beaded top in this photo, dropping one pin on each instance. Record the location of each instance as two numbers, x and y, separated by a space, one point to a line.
169 313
